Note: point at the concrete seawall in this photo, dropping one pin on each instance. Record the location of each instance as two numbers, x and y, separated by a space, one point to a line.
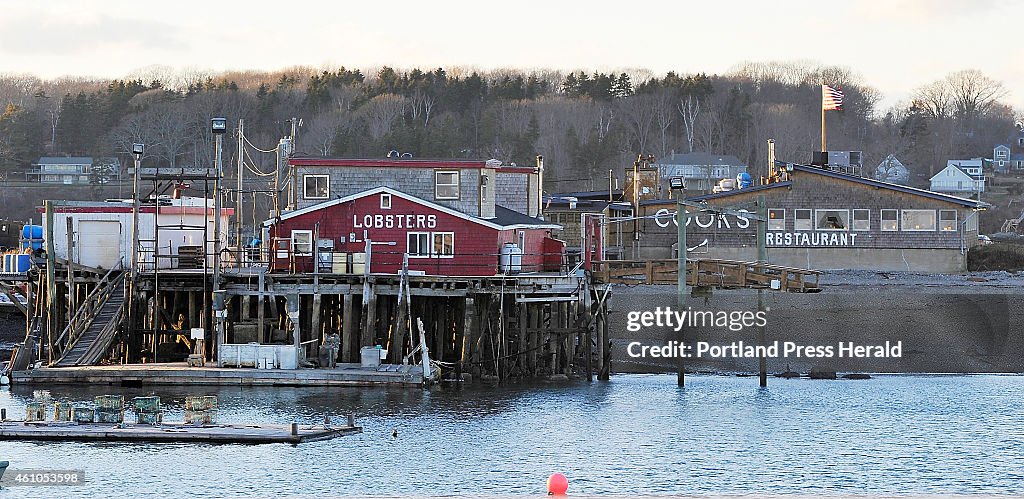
947 324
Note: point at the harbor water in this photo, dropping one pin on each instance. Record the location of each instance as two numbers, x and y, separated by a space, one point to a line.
635 435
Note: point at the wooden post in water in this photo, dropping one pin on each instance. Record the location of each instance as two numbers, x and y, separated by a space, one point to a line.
348 329
762 258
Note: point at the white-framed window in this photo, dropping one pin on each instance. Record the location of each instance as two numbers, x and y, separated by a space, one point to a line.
947 220
832 219
316 186
776 219
446 185
861 219
917 220
890 220
302 242
385 201
1002 153
418 244
444 245
802 220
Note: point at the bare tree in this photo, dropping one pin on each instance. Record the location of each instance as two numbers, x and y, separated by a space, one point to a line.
381 112
689 109
638 112
973 94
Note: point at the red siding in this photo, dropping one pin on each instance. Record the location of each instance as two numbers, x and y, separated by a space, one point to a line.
476 246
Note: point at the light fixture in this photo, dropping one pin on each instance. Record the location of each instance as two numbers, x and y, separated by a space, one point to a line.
677 183
219 125
138 148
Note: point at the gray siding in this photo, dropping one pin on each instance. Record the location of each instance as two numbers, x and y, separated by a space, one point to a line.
419 182
512 191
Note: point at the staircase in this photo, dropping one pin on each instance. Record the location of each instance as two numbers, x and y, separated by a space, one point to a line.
92 331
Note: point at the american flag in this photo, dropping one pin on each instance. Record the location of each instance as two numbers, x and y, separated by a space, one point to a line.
831 98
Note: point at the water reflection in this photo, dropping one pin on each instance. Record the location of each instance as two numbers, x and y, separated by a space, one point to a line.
635 434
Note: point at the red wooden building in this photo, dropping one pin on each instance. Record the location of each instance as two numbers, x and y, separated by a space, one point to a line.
439 240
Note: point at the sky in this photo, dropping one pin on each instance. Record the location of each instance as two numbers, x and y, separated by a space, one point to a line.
894 45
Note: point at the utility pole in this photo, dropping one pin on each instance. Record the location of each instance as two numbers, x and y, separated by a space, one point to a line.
238 203
678 185
218 126
137 152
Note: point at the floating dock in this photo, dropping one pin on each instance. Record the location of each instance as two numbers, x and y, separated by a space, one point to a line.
173 432
180 374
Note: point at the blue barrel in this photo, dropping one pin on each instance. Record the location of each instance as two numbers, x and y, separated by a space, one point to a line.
32 237
744 181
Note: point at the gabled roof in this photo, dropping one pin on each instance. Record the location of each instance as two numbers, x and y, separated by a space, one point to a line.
65 160
797 168
960 169
504 219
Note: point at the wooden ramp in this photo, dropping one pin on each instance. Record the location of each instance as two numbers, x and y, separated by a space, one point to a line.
92 331
710 273
173 432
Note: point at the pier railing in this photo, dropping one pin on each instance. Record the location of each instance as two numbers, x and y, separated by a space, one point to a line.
712 273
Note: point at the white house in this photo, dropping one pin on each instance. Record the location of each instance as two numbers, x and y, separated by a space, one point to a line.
960 176
75 170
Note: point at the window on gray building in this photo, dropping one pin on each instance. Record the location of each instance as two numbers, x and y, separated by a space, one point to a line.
890 220
802 220
917 220
776 219
316 186
861 219
832 219
947 220
446 185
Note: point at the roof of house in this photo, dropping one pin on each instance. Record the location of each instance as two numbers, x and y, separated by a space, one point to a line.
961 169
970 203
65 160
504 219
407 163
700 158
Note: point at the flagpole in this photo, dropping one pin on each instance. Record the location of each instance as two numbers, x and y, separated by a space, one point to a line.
823 147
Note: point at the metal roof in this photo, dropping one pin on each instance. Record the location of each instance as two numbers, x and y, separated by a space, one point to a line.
970 203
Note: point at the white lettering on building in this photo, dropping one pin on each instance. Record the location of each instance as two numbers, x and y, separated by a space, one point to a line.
810 239
392 221
664 218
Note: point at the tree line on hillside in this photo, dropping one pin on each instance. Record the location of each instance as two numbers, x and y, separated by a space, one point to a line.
584 123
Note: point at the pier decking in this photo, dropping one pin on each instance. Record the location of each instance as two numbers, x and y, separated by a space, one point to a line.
173 432
180 374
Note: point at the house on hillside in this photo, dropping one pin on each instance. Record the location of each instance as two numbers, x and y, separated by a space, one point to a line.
700 169
960 176
75 170
892 170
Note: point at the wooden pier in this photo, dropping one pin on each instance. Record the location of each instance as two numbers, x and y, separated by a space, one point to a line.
180 374
173 432
710 273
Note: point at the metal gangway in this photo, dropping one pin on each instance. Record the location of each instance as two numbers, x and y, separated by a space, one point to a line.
91 331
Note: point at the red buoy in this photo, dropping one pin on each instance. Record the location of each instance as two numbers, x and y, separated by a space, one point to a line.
558 484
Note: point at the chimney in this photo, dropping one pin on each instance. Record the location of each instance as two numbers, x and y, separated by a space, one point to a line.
540 187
